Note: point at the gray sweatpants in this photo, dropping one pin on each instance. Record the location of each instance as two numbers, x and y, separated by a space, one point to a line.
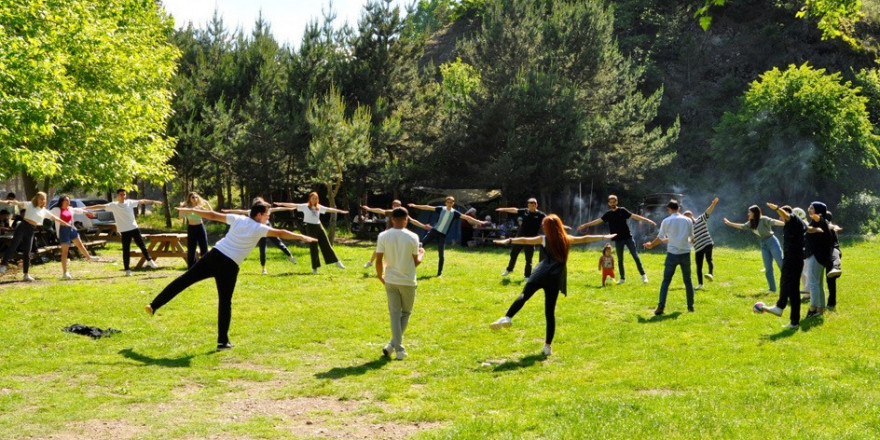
400 305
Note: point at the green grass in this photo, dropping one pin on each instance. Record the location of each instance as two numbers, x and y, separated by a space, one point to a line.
307 359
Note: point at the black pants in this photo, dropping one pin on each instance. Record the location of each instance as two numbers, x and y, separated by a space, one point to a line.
789 287
317 231
24 234
196 235
551 294
127 236
514 253
225 273
705 252
277 242
832 282
434 235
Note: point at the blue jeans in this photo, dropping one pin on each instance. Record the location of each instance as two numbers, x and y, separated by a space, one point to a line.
771 251
631 244
673 260
815 273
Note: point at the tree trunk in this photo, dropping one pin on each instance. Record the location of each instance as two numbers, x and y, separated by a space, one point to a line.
331 201
566 203
167 205
30 186
221 201
142 193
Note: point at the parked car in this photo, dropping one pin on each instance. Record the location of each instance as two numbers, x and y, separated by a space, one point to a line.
81 221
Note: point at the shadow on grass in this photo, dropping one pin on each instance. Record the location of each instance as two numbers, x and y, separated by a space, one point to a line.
525 362
806 325
426 277
180 362
354 370
656 319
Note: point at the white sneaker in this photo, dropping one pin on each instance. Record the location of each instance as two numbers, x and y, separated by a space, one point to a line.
293 259
503 322
152 264
66 276
834 273
368 264
710 277
505 273
547 350
340 265
29 278
699 286
790 326
387 350
128 273
401 355
621 281
774 310
314 271
265 272
645 278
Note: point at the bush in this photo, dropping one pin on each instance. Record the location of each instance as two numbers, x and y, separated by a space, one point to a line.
859 214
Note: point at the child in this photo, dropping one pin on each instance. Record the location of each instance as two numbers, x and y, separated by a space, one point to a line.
606 264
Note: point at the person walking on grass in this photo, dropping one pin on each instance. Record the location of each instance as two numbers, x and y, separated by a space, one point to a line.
762 226
397 255
677 231
549 274
196 234
312 211
616 218
223 261
531 227
792 265
34 212
438 233
387 213
126 225
66 234
703 243
263 243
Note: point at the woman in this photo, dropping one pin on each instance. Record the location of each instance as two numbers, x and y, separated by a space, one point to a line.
34 213
262 244
550 274
818 251
703 243
66 234
770 249
312 217
196 234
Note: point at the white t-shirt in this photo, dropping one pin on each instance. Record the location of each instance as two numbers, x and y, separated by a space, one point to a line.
311 216
123 214
244 233
34 214
398 247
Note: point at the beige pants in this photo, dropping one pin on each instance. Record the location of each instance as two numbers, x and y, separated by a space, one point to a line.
400 305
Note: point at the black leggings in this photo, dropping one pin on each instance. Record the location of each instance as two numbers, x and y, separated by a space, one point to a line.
127 236
317 231
24 233
551 294
705 252
832 282
196 235
225 273
277 242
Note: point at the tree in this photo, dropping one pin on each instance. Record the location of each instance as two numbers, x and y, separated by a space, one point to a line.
84 91
338 143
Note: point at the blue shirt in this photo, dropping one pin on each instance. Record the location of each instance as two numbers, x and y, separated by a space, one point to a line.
679 230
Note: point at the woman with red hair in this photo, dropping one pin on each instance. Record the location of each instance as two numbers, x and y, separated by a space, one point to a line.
550 274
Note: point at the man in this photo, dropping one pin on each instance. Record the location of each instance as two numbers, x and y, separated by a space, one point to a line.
223 260
616 219
677 231
441 229
531 227
126 225
793 230
397 255
5 222
15 218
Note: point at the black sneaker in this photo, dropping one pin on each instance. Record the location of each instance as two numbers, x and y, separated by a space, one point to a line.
225 346
659 311
812 313
690 308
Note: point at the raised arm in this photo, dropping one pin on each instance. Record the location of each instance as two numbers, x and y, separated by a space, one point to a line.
643 219
210 215
287 235
589 238
712 206
782 214
422 207
508 210
589 224
520 240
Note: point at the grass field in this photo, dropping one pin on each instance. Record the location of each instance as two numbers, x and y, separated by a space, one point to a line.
307 360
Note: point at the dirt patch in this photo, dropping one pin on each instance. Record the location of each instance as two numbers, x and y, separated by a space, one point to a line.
99 430
656 392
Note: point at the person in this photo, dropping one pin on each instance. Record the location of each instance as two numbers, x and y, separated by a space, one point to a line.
818 252
16 218
833 271
397 255
616 219
126 225
438 233
34 212
263 243
793 231
549 274
606 264
677 231
222 262
196 234
387 213
703 243
5 221
762 226
531 227
312 211
66 234
467 231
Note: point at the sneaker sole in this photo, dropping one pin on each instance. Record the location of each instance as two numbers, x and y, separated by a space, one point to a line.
772 312
500 325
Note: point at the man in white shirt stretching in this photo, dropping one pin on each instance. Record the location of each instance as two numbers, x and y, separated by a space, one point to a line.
677 231
127 227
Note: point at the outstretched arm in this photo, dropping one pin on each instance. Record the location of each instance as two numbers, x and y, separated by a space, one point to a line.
712 206
280 209
589 238
233 211
520 240
377 211
508 210
289 205
95 207
148 201
58 219
420 224
586 225
471 220
643 219
210 215
333 210
734 225
422 207
287 235
782 214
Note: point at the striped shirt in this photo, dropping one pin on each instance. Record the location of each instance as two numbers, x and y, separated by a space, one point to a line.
701 233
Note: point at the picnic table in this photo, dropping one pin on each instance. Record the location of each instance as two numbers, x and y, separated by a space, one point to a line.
486 235
163 245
